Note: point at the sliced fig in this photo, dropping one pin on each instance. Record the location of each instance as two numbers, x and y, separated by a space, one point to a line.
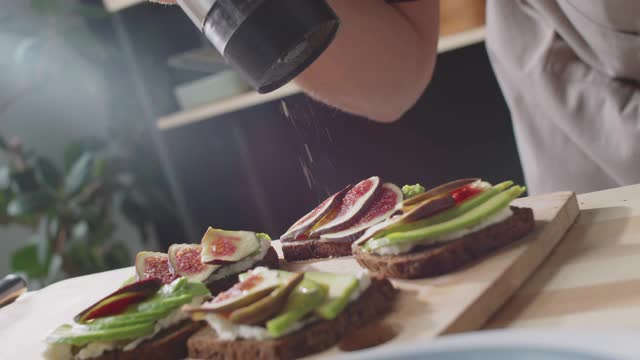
221 247
184 260
309 220
385 203
355 201
154 265
437 191
428 208
116 302
259 283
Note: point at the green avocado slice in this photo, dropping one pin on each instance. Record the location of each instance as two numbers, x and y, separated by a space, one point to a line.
447 214
467 219
138 321
80 335
304 298
341 288
127 319
165 304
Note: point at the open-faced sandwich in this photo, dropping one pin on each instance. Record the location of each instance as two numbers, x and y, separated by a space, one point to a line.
330 229
142 320
273 314
216 261
444 229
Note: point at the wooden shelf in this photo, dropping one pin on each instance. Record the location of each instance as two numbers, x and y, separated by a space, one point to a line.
216 108
462 39
117 5
204 112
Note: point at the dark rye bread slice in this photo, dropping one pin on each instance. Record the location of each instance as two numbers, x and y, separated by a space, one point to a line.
269 260
441 259
374 303
314 249
169 344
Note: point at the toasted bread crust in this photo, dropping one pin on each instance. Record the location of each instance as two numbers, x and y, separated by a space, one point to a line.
442 259
375 302
169 344
270 260
314 249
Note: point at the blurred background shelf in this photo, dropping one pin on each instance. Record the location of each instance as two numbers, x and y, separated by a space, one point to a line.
117 5
461 25
215 108
251 98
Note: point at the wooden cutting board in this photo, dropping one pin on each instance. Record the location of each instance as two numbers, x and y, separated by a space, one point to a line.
465 300
427 308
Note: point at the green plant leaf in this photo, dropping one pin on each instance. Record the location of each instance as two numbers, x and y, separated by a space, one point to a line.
47 173
5 177
72 153
4 199
136 213
102 233
97 258
45 6
24 181
100 166
117 255
26 260
77 258
27 204
79 175
89 11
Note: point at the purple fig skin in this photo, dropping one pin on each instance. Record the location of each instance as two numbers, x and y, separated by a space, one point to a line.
428 208
149 286
306 222
220 262
384 205
344 220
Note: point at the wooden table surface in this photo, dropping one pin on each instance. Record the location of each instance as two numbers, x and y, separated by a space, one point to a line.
592 279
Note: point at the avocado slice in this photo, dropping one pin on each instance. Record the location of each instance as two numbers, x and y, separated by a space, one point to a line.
127 319
165 303
80 335
160 305
268 306
304 298
138 320
468 219
341 288
447 214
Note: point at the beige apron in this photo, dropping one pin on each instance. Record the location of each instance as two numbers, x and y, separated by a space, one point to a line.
570 72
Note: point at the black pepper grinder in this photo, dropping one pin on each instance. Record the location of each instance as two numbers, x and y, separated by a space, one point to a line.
269 42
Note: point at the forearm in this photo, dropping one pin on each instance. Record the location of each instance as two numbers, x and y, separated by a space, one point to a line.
381 60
